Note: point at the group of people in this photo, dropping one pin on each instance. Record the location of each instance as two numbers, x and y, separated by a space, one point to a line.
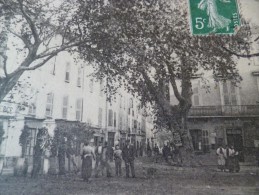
170 150
228 159
103 155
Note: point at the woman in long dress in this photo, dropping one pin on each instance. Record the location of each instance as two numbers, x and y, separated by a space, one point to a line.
230 155
221 158
87 155
216 21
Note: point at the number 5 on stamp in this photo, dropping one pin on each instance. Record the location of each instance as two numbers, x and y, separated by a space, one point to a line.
214 16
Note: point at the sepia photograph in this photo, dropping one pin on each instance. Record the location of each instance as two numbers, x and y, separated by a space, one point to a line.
129 97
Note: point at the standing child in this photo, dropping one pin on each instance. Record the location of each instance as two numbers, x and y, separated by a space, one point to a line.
118 159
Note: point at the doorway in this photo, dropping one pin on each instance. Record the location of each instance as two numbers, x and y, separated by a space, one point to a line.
235 138
196 135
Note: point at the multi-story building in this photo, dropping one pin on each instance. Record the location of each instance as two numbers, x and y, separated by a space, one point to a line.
229 113
64 91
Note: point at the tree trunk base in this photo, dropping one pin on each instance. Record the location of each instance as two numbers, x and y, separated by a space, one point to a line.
188 158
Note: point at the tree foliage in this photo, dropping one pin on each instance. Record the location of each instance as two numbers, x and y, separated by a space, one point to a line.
147 47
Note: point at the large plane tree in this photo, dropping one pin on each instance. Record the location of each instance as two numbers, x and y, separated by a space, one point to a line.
147 46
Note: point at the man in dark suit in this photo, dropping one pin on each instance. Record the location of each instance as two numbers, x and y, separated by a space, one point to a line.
128 155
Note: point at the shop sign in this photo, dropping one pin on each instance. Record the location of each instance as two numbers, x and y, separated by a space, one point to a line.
7 109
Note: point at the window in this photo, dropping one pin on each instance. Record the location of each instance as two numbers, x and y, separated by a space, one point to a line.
205 141
226 100
120 122
229 93
120 101
79 104
196 135
49 105
128 124
225 87
234 99
135 124
79 77
233 93
110 117
115 119
143 124
195 96
67 75
2 132
132 125
130 103
100 116
91 85
232 87
65 107
196 101
101 88
53 68
32 109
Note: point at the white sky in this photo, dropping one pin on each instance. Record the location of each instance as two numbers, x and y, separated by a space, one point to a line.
250 10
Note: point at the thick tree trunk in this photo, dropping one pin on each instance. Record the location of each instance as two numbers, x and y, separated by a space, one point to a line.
187 148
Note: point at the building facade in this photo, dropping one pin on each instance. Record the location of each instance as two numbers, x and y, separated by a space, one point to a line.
227 114
64 91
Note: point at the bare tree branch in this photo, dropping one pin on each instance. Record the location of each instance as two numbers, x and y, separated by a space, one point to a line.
31 23
241 55
4 61
38 65
62 48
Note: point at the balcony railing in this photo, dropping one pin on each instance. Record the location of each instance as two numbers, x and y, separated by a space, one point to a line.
239 110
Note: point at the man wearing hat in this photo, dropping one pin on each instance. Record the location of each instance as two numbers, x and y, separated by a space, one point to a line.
128 155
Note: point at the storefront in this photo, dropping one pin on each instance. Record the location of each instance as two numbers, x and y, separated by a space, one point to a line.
32 125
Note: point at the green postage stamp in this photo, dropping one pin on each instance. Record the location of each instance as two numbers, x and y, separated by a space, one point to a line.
214 16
